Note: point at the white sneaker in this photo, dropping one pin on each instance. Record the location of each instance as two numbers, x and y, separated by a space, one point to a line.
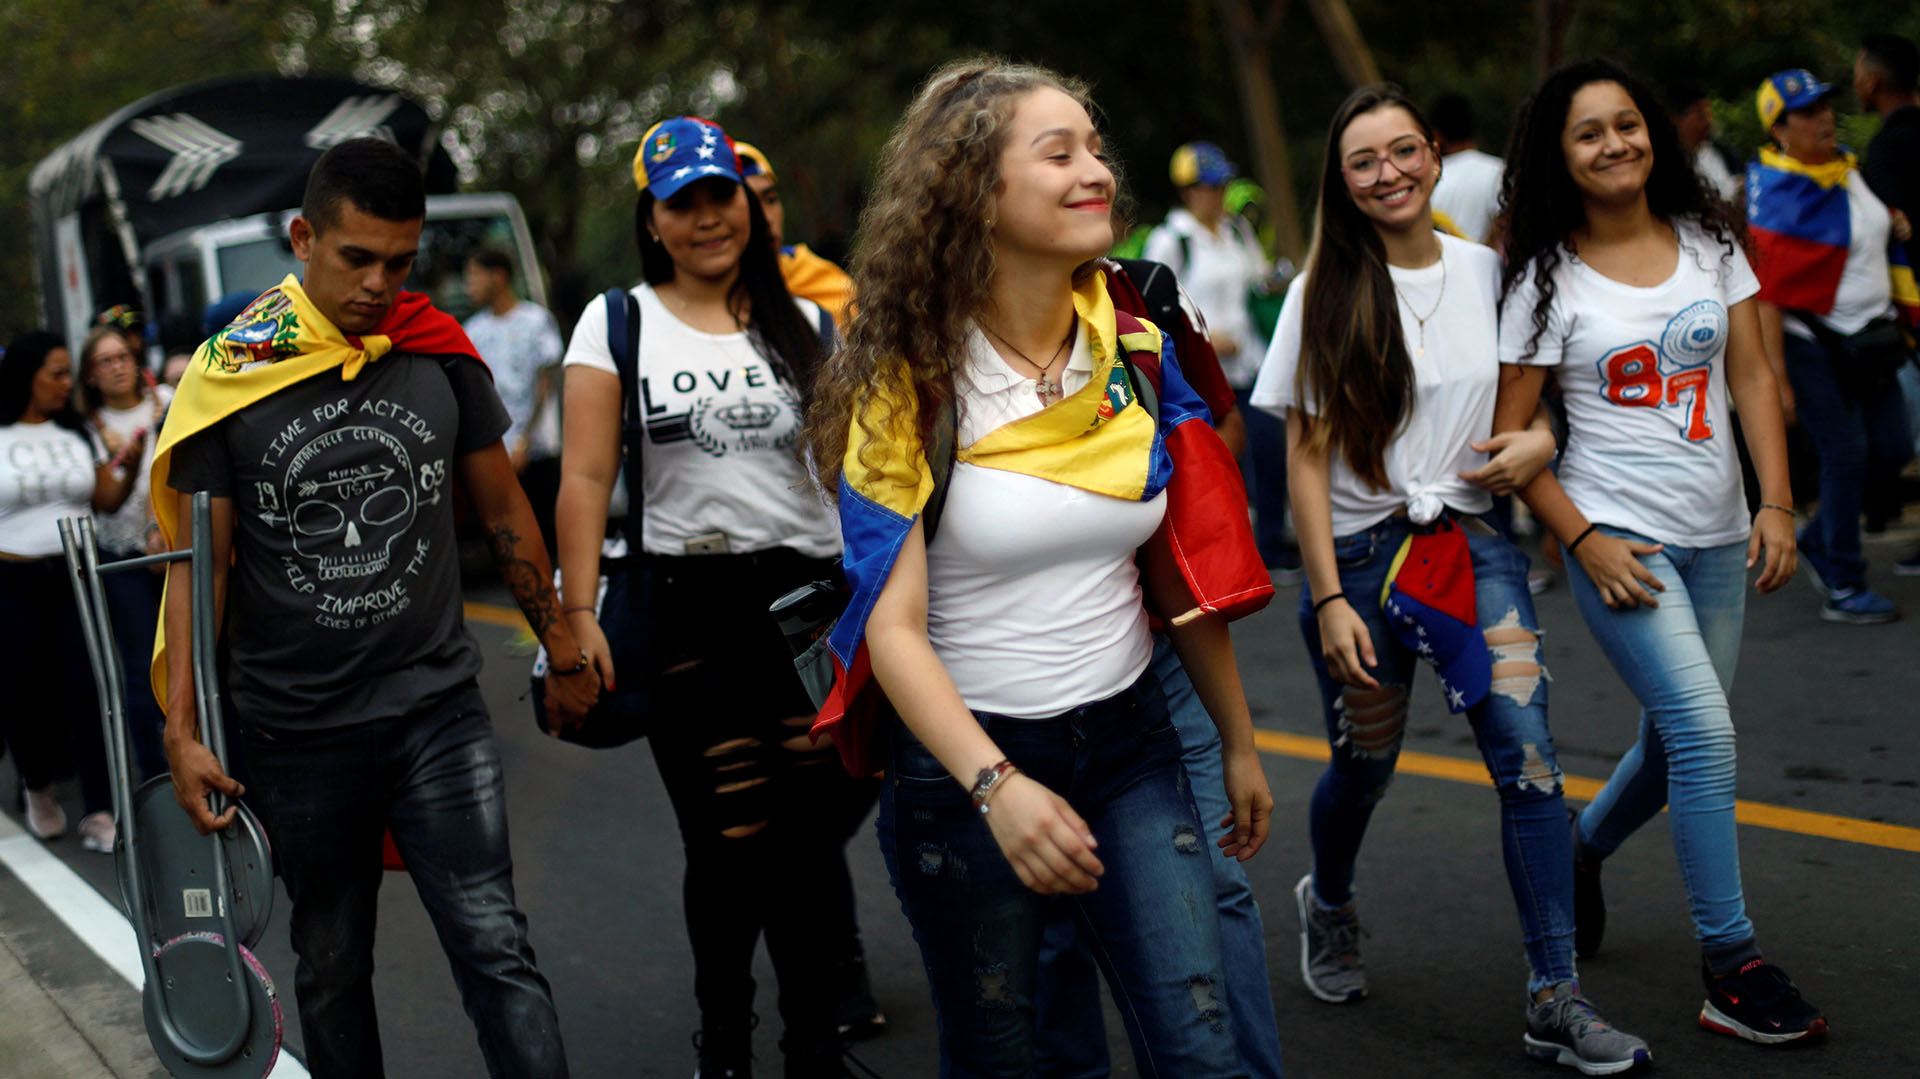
45 818
97 832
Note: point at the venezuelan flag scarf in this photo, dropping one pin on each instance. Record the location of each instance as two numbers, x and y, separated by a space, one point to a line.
279 340
1100 439
1802 224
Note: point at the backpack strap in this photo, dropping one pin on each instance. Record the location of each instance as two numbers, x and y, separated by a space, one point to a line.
1143 365
946 432
623 345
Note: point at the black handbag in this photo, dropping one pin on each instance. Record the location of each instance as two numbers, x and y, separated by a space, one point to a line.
1867 360
625 607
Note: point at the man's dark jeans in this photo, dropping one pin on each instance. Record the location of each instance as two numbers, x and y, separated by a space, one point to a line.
433 778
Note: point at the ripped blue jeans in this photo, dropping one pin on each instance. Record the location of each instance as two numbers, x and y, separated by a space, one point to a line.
1366 727
1151 922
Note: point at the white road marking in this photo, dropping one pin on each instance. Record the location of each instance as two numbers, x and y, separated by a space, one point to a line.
88 914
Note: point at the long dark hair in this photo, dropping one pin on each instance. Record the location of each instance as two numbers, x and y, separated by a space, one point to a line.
25 355
1541 207
1355 375
792 347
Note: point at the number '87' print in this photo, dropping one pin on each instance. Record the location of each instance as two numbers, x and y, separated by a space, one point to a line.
1631 378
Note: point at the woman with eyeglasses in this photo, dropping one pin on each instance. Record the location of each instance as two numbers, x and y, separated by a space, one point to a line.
124 407
1384 366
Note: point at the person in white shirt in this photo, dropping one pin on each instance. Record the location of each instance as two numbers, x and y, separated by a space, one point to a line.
1383 364
51 468
1218 260
1468 191
1636 297
124 411
520 344
1033 760
1693 121
727 524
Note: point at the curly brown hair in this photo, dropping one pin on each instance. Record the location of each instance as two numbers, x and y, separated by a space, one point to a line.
923 257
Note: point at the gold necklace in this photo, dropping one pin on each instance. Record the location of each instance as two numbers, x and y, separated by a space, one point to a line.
1046 387
1419 319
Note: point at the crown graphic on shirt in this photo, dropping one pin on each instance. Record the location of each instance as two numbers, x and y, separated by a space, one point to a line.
747 415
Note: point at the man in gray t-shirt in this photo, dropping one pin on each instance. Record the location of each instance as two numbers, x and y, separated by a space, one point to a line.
348 663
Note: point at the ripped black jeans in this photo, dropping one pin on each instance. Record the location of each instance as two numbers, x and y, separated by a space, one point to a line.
433 778
762 810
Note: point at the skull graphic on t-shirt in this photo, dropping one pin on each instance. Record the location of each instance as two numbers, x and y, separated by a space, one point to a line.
350 494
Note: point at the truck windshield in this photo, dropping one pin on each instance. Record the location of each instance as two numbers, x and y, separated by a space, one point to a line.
445 243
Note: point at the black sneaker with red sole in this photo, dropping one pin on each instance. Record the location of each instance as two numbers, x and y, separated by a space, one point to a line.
1760 1004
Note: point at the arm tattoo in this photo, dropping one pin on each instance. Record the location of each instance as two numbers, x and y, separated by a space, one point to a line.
533 592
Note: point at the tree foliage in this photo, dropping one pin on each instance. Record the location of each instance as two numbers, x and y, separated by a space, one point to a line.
547 99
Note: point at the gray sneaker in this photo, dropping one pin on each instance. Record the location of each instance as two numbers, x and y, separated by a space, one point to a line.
1330 960
1565 1029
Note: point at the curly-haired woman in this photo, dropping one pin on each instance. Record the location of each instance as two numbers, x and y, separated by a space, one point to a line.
725 527
1383 366
1032 756
1627 281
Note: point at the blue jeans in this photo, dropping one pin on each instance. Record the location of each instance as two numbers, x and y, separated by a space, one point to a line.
1073 1043
433 778
1366 729
1858 435
1678 658
1150 921
1265 466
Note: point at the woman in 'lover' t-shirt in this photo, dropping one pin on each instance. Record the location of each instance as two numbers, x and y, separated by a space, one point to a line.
1627 281
724 529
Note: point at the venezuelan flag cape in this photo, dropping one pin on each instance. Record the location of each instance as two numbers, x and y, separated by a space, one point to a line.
1801 227
811 277
1100 439
280 339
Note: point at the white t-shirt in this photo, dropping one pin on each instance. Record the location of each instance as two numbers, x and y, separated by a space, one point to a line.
46 473
124 531
1454 384
517 347
1219 269
1469 191
1712 168
1033 598
721 429
1643 373
1865 292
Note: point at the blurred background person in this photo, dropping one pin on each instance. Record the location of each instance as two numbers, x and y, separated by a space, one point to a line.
1716 163
1219 262
1469 189
1886 78
1826 306
50 468
809 276
123 407
521 345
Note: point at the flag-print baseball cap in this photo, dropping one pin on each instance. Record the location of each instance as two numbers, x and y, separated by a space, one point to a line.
1792 89
676 152
1200 163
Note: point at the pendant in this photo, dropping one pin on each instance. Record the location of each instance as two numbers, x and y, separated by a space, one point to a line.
1047 389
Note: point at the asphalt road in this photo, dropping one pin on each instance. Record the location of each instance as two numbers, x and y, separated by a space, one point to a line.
1827 725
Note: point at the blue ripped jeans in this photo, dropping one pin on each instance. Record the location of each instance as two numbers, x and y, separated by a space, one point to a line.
1073 1042
434 779
1678 658
1366 728
1150 922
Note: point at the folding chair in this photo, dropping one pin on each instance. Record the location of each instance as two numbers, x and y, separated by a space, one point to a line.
198 903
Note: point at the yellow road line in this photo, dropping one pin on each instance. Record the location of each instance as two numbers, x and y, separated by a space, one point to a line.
495 615
1464 770
1758 814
